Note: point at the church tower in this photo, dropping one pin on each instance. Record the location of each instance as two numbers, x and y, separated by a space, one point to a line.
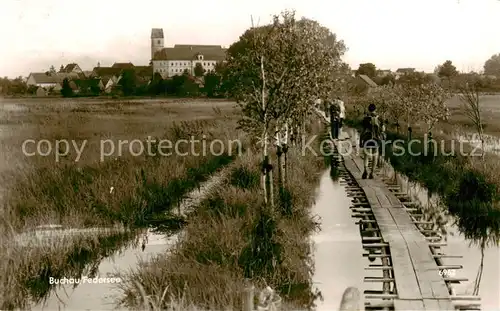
157 40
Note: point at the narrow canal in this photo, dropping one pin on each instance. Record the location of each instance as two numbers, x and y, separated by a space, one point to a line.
338 253
105 296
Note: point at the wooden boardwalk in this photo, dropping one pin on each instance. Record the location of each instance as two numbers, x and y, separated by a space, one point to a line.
418 284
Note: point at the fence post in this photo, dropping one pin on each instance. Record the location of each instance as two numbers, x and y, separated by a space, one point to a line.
248 297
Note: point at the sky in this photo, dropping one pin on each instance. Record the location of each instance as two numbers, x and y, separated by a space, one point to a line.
36 34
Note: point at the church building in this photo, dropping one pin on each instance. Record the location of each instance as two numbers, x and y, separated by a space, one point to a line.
175 60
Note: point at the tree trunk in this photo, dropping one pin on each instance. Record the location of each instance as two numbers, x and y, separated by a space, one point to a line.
266 165
285 150
270 185
279 154
481 265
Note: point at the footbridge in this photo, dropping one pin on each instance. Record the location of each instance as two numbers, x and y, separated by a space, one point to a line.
403 247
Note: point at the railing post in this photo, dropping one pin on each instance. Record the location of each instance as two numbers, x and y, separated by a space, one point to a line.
248 297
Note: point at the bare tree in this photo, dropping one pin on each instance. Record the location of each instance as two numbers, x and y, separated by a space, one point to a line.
469 96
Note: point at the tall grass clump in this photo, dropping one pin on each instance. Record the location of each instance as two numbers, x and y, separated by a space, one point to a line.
233 236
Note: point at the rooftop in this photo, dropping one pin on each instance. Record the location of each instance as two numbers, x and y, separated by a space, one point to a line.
123 65
367 80
190 52
157 33
405 70
69 67
42 77
106 71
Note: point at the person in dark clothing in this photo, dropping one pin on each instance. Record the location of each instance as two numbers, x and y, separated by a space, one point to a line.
370 140
334 120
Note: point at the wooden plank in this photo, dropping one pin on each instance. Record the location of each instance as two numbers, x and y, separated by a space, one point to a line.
394 201
432 284
382 198
431 304
406 283
410 305
438 304
445 304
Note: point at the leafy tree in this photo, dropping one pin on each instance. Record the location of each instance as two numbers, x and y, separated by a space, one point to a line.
157 85
189 88
94 87
198 70
182 85
61 69
492 66
66 90
433 105
226 85
368 69
273 70
12 87
212 84
32 89
128 81
419 103
447 70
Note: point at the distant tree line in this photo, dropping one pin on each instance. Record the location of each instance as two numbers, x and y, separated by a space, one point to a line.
210 84
449 76
216 83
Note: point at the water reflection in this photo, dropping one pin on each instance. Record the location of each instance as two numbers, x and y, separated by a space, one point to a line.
337 247
113 257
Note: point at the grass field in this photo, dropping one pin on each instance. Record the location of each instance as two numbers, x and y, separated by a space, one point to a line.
490 108
39 190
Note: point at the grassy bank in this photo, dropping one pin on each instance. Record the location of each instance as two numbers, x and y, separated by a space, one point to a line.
124 188
469 186
232 236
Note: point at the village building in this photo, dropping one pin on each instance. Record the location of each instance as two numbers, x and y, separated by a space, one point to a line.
383 73
71 68
182 58
49 80
404 71
110 76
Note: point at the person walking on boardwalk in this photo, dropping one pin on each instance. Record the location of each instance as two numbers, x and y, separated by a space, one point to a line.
335 119
370 140
341 106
